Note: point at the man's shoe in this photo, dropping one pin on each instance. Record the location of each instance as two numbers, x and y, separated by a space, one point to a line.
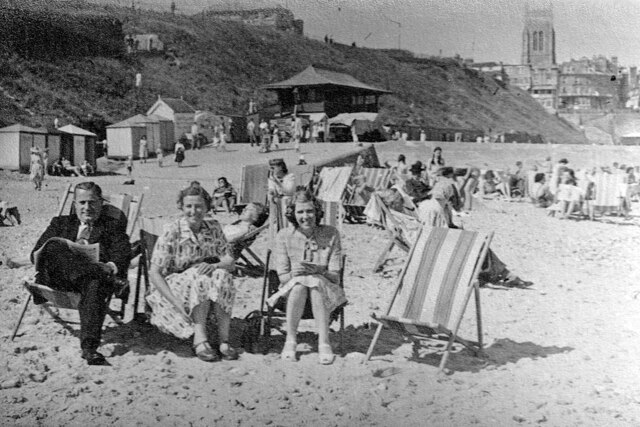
517 282
94 358
120 288
226 352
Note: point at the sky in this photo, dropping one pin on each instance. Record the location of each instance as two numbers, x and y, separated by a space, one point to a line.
485 30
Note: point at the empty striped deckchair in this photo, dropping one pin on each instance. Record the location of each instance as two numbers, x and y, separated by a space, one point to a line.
434 288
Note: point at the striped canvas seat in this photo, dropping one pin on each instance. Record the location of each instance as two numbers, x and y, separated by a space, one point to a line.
333 214
435 286
333 182
607 192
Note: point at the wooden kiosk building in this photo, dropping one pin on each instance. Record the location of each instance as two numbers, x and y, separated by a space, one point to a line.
316 90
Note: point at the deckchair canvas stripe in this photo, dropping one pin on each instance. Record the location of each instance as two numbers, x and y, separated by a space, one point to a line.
449 286
422 280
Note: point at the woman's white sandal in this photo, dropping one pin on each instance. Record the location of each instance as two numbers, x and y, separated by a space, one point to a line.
289 351
325 354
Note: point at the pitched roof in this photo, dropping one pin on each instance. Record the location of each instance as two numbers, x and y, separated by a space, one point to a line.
20 128
312 76
138 120
75 130
178 105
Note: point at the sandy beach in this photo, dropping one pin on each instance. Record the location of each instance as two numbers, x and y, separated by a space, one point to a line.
560 353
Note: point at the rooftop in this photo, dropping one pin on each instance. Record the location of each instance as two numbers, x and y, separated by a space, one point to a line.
312 76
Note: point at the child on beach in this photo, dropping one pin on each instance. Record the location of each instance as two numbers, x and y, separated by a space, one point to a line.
129 165
159 155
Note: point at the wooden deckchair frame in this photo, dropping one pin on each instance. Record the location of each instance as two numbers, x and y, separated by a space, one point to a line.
472 287
268 312
397 237
67 299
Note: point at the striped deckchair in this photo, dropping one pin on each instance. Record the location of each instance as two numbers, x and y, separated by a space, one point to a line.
403 229
254 183
377 178
333 214
333 182
374 178
435 287
607 192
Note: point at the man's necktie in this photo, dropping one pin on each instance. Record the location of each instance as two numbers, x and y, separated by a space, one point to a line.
84 234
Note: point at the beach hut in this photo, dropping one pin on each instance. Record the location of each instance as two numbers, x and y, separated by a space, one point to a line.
124 137
54 141
178 111
160 132
16 142
84 145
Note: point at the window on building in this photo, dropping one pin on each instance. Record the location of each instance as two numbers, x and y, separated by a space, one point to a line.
541 41
535 40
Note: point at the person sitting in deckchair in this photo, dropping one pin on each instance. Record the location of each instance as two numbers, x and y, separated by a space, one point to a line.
224 194
252 217
307 259
416 186
540 194
281 182
59 267
493 269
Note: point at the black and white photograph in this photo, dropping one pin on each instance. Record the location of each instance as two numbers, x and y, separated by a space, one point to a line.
319 212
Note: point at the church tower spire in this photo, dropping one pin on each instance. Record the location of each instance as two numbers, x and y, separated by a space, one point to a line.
538 36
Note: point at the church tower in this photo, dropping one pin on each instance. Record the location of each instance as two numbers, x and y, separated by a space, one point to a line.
538 37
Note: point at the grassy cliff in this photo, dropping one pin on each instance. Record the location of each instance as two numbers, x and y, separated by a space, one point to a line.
219 66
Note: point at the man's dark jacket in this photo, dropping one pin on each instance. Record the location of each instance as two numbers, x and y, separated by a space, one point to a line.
109 231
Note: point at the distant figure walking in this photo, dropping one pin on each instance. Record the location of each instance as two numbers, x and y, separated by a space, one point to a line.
251 131
144 150
179 153
159 155
129 166
45 161
36 170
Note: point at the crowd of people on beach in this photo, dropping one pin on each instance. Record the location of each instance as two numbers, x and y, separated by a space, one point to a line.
193 259
565 192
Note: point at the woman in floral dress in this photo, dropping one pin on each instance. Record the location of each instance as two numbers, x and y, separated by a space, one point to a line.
192 283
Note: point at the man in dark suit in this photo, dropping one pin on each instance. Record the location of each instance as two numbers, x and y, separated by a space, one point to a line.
58 267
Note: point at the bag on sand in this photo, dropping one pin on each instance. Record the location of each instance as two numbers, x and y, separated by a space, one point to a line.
254 337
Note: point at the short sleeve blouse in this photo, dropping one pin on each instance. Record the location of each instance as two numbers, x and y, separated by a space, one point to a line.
179 247
323 247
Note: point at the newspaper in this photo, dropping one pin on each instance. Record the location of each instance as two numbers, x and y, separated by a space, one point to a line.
89 252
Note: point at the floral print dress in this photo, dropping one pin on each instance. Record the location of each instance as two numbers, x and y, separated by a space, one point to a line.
178 252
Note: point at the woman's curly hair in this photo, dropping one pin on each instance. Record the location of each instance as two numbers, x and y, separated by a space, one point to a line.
303 196
195 189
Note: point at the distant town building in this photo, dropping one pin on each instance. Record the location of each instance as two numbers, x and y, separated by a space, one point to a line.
275 16
589 84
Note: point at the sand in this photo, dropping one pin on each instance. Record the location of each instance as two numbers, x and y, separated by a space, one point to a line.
563 352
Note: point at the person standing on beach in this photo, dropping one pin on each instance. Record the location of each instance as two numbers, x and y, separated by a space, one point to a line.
36 169
179 153
129 166
251 131
159 155
144 150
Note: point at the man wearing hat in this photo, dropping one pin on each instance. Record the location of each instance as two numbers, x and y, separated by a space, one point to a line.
416 186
